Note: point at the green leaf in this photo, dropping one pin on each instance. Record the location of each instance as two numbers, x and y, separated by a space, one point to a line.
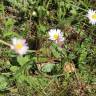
83 56
48 68
9 33
73 11
3 82
9 23
1 8
14 68
37 82
40 59
55 51
22 60
41 29
72 56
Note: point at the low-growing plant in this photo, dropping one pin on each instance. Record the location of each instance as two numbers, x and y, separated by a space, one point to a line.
47 48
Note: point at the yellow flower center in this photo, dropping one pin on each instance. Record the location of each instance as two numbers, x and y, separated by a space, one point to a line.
94 16
56 36
19 46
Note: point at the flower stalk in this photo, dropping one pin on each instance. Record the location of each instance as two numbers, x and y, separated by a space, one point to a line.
5 43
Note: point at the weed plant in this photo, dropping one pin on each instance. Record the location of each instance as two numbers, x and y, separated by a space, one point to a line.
48 69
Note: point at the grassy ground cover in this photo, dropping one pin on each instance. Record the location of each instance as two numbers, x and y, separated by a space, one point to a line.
50 67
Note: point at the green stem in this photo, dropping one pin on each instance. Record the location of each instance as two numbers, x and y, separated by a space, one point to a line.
5 43
47 4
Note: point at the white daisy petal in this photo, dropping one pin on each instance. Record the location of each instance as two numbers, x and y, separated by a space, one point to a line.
14 40
56 35
19 46
58 31
91 16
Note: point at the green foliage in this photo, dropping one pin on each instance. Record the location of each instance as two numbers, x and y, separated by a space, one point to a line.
47 68
55 52
3 82
1 8
41 72
9 27
22 60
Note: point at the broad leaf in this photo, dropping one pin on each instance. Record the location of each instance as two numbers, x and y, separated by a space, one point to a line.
22 60
48 67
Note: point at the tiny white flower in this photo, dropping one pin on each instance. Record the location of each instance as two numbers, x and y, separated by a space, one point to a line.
92 16
56 35
19 46
34 13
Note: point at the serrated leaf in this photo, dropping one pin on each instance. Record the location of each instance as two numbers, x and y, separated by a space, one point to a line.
9 23
55 52
22 60
3 82
48 68
72 56
14 68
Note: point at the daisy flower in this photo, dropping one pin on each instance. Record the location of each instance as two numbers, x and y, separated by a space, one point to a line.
19 46
56 35
92 16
